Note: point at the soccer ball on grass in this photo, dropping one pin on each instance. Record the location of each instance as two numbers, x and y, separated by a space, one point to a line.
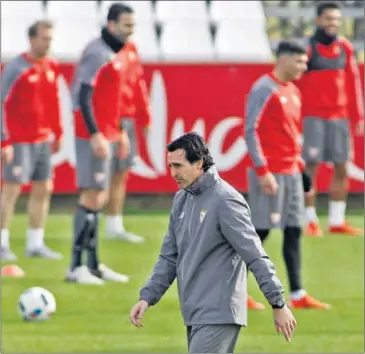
36 304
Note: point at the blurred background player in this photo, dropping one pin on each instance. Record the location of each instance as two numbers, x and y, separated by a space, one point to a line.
272 133
31 109
100 142
332 100
135 101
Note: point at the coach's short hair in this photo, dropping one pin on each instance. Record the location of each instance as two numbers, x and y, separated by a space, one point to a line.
195 149
290 47
327 5
116 9
34 28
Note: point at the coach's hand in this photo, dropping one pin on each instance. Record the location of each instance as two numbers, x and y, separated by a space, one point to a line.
285 322
100 146
137 313
7 154
123 145
268 184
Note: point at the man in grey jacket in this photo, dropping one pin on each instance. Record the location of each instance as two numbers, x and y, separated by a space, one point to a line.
209 242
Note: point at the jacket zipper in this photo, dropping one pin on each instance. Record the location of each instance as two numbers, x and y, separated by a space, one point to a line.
191 216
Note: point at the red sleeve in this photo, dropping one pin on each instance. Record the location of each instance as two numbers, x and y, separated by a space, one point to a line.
353 85
301 161
54 104
141 96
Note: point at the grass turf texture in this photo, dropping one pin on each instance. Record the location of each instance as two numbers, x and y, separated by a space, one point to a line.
95 319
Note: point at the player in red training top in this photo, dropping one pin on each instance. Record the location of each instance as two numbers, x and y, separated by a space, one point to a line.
272 133
332 102
31 115
135 101
100 141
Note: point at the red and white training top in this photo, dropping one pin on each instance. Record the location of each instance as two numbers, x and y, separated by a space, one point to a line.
105 71
273 126
30 100
331 88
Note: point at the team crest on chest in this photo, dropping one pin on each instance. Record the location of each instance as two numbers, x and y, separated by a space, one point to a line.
202 214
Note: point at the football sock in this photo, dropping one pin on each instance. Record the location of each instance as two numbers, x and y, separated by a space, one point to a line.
292 256
4 239
114 223
34 239
337 213
92 244
311 215
83 221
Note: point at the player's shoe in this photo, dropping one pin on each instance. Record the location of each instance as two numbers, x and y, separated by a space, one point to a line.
44 252
253 305
108 274
82 275
308 302
7 255
346 229
313 230
125 236
12 271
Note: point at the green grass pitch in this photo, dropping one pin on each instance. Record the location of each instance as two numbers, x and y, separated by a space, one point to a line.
95 319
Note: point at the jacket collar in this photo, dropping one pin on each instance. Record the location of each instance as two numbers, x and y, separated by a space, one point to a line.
208 179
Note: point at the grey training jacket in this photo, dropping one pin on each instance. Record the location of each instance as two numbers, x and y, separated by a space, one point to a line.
209 242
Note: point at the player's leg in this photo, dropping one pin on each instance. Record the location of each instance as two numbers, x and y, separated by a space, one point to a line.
14 176
117 191
338 146
93 175
9 196
213 338
313 150
265 214
92 180
38 206
292 223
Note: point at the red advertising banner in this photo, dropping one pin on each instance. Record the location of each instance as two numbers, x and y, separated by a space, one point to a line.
206 98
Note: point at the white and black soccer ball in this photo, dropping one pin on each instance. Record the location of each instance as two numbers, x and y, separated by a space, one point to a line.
36 304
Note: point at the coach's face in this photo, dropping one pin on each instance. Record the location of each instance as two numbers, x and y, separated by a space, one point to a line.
41 43
296 65
182 171
330 21
125 26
